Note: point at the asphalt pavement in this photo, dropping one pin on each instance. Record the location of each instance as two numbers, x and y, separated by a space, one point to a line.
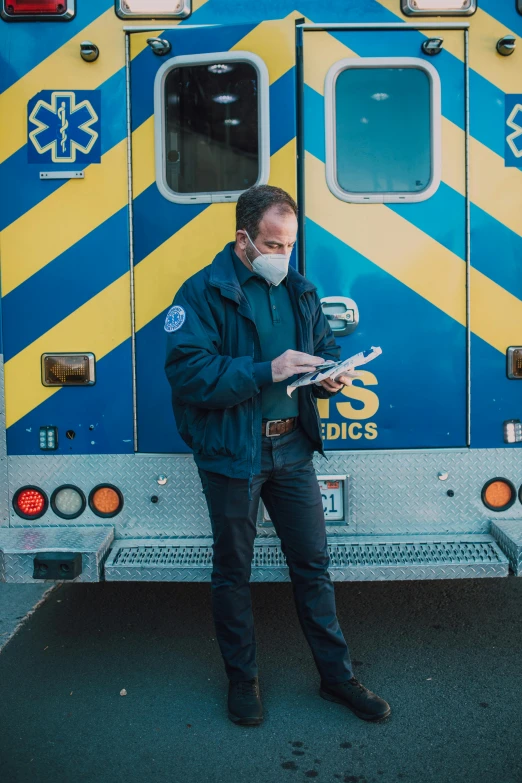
125 682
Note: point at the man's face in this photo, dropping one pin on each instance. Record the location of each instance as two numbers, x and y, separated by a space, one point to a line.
277 234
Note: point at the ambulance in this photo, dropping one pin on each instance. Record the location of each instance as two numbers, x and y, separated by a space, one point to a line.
128 131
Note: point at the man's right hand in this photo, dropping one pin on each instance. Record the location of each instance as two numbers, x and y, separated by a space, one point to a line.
293 363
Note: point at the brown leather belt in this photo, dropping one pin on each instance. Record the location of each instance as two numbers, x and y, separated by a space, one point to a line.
272 427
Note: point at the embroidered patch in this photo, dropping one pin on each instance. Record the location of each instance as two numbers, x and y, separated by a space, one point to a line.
175 318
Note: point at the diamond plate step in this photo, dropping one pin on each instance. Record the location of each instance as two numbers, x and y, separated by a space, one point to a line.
19 545
508 534
352 558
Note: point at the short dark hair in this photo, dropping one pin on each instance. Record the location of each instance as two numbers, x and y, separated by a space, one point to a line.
254 202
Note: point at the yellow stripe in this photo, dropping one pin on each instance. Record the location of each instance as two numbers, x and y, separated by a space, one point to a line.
63 218
492 184
143 171
283 169
484 33
321 51
101 324
496 315
160 274
274 42
416 260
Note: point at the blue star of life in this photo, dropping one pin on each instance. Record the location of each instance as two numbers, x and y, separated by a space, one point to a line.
64 126
175 318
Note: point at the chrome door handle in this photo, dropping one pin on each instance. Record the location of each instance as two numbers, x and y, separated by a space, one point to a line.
342 314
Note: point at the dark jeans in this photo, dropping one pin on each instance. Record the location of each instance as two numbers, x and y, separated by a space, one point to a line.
289 489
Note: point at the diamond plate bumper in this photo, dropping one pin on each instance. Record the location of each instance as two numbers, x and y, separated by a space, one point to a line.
352 558
18 547
508 534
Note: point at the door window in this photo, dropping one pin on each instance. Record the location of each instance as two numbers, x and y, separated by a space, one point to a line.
383 129
211 118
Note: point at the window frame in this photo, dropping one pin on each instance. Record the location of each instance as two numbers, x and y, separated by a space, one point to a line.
330 129
409 11
159 124
185 11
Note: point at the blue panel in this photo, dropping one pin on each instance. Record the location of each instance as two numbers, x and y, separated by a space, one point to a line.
422 371
106 406
494 398
233 11
314 133
156 425
66 283
496 251
282 111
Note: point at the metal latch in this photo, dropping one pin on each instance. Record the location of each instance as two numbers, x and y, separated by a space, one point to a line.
342 313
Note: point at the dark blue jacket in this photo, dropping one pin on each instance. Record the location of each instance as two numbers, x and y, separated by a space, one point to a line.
214 370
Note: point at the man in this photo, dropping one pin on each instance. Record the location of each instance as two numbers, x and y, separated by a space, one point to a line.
238 332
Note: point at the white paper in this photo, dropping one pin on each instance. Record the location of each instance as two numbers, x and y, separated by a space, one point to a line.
334 369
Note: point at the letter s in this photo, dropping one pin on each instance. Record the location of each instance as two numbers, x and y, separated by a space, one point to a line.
368 398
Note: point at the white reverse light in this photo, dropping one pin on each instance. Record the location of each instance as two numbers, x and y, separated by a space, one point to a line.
68 502
513 431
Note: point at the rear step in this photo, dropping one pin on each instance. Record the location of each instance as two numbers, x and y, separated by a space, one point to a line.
508 534
352 558
21 546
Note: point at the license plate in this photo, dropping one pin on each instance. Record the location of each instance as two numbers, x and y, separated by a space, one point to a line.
333 498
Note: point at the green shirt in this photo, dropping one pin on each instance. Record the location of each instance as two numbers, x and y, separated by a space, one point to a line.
275 322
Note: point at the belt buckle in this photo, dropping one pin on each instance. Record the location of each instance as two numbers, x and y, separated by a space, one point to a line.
267 427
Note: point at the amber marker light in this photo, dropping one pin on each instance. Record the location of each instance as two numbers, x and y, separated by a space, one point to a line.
498 494
106 500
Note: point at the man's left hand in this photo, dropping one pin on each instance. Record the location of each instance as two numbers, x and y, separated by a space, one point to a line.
335 386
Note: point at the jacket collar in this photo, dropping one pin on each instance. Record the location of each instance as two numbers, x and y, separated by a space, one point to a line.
223 276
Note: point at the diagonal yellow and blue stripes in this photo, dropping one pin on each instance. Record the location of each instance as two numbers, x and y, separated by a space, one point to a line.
65 280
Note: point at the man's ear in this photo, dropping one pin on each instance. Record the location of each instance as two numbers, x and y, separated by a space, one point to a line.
241 239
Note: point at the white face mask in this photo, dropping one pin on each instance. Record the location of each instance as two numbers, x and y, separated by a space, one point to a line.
272 266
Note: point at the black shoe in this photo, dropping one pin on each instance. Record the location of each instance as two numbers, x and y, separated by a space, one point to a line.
360 700
244 702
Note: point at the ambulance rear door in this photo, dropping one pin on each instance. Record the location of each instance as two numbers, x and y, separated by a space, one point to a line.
383 185
212 113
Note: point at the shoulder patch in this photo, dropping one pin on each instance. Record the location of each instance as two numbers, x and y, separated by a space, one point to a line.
175 318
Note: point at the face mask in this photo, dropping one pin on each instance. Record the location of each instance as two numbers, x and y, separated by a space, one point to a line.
272 266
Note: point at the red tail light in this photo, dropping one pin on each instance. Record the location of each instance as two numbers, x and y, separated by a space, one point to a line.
11 9
30 502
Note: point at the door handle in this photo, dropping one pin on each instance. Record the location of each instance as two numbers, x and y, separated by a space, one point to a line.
342 314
